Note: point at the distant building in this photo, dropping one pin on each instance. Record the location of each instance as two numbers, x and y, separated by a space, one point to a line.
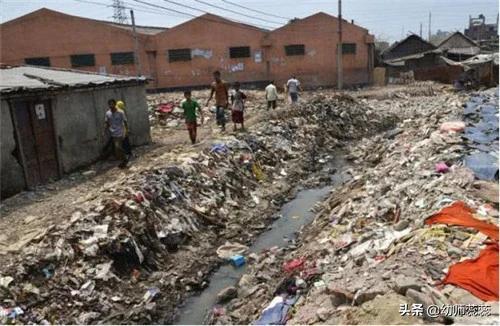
187 54
480 31
52 121
411 45
53 39
459 47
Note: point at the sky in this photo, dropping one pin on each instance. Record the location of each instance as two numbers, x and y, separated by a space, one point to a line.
387 19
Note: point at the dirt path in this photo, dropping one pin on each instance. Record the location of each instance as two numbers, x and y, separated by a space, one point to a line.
28 214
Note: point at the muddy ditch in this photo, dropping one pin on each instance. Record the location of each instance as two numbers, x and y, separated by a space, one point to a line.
149 240
368 251
290 219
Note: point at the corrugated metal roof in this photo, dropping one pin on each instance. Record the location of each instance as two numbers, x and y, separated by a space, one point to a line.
28 78
398 61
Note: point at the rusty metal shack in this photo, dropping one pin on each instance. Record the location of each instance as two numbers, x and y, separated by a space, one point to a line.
459 47
52 121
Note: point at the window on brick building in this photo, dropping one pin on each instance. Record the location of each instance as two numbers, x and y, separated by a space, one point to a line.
82 60
239 52
179 55
41 61
348 48
295 49
122 58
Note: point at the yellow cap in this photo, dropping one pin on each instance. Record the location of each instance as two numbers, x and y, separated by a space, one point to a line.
120 105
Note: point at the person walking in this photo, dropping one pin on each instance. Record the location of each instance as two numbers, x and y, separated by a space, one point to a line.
189 106
238 106
219 88
293 88
127 147
116 123
271 95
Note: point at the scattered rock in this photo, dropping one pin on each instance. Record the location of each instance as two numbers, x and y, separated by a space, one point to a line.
227 294
339 296
401 225
323 314
403 283
454 251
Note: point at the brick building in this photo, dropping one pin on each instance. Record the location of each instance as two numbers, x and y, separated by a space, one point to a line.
186 54
50 38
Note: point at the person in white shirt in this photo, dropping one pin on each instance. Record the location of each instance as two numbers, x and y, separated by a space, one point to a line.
271 95
293 88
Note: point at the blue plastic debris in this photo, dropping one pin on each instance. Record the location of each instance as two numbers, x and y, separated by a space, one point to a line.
48 271
219 148
238 260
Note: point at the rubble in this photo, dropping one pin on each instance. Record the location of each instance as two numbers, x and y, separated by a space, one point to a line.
148 239
368 242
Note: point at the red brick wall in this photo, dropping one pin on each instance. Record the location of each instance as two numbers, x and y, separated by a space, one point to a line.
214 36
47 33
319 34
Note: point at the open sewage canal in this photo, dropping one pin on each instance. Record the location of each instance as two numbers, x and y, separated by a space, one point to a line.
293 216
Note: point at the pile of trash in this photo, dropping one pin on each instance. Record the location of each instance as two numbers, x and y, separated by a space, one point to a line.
373 255
149 238
165 111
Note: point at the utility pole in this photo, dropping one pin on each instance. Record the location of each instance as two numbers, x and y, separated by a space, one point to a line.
136 46
119 14
430 34
420 30
340 76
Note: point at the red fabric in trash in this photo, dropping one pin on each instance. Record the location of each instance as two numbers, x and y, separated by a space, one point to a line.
294 264
166 108
479 276
460 214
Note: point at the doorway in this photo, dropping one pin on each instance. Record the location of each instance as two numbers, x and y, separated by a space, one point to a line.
36 140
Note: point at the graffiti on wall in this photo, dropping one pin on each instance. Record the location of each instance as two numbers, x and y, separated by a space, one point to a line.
258 56
240 66
203 53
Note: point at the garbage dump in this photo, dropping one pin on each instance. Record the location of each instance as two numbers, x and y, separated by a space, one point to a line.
368 257
148 239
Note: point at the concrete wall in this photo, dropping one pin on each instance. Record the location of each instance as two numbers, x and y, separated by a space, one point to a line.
79 129
79 122
11 171
47 33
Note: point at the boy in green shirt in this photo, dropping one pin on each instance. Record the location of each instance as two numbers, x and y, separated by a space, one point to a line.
189 106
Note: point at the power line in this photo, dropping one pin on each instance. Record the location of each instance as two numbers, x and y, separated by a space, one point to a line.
149 11
201 10
194 16
255 10
238 13
119 14
185 6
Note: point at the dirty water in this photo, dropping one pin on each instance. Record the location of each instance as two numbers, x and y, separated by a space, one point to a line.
292 216
481 133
